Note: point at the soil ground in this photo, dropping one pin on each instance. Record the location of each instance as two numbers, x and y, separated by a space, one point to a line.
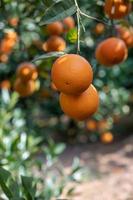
110 168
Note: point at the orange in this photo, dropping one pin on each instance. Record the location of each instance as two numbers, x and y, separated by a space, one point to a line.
6 46
68 23
111 51
99 29
117 9
4 58
71 74
91 125
106 137
81 106
27 71
54 43
11 35
102 125
126 34
24 88
13 21
53 87
5 84
55 28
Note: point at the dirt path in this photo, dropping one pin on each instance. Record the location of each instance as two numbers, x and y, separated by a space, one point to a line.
111 167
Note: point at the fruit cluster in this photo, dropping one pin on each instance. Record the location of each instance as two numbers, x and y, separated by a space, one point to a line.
114 50
55 42
25 83
72 75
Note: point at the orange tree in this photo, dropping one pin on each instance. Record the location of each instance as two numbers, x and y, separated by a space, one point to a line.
30 30
33 35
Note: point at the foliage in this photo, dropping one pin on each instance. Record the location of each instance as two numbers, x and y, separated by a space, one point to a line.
27 125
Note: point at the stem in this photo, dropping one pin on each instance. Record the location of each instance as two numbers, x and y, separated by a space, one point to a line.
78 25
93 18
78 22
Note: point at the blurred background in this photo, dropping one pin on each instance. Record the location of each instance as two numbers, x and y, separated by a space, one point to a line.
40 146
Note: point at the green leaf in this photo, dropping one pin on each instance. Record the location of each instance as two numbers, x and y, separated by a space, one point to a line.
4 175
29 187
59 149
8 185
49 55
58 11
49 3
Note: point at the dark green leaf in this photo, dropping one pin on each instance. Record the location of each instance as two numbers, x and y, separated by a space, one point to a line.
4 175
58 11
29 187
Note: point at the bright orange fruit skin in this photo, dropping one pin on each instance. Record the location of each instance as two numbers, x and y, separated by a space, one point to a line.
111 51
99 29
27 71
54 43
71 74
117 9
106 137
126 34
53 87
24 88
5 85
68 23
82 106
55 28
91 125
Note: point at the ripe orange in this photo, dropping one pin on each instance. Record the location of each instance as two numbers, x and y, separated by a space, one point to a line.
54 43
6 46
117 9
55 28
68 23
53 87
24 88
102 125
13 21
99 29
5 85
4 58
81 106
111 51
27 71
106 137
91 125
71 74
126 34
11 35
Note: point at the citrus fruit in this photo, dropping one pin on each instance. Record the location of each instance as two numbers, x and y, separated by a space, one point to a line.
82 106
27 71
111 51
99 29
126 34
24 88
5 85
71 74
54 43
117 9
68 23
55 28
106 137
